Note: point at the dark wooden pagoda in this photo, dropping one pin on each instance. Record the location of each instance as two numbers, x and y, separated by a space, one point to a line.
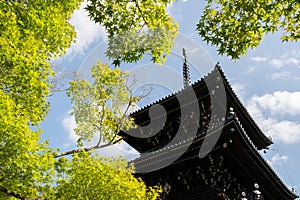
231 167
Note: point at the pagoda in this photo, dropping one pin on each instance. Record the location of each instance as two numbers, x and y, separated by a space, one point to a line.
201 143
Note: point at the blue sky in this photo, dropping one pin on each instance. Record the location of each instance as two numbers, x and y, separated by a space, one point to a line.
267 81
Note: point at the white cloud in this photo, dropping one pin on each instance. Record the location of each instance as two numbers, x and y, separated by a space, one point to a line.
69 125
278 159
264 109
259 59
280 75
283 61
250 69
120 149
287 132
87 32
280 102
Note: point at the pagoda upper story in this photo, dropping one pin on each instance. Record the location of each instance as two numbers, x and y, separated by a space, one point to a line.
207 98
201 143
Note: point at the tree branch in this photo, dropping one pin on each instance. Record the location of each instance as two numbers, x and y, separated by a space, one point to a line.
73 151
109 144
122 120
101 121
13 194
140 10
86 149
130 102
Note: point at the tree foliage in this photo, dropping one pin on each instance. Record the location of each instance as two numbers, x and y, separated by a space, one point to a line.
90 177
34 31
29 169
135 28
234 26
26 165
31 33
101 108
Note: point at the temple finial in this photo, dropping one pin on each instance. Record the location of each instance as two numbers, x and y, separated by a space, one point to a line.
218 66
186 71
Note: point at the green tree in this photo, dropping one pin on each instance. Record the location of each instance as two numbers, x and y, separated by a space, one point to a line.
26 165
34 31
91 177
29 169
234 26
31 33
137 27
101 108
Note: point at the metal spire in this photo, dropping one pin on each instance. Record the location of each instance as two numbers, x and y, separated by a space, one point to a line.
186 71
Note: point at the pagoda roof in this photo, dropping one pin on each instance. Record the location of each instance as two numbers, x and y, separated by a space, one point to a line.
259 139
239 141
253 131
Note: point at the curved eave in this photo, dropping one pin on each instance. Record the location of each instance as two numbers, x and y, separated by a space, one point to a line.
251 160
141 114
141 117
254 132
188 149
260 140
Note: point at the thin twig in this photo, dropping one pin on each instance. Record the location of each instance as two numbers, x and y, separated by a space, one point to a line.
86 149
73 152
140 10
16 195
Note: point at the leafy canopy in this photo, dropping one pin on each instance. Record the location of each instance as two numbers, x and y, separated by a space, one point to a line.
90 177
137 27
235 25
101 107
32 32
26 165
